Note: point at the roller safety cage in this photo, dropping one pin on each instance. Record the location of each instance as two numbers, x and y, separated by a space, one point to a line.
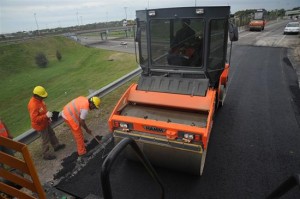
169 112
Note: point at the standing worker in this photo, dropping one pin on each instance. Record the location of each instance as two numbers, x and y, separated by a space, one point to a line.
74 114
40 121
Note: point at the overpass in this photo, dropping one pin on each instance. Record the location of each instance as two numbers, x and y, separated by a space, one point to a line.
104 32
293 13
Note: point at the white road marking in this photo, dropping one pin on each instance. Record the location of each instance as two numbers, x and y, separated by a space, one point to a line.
246 35
280 40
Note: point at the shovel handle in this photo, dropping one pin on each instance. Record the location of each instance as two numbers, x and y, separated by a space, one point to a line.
96 138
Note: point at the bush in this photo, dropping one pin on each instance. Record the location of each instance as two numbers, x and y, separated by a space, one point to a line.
58 55
41 60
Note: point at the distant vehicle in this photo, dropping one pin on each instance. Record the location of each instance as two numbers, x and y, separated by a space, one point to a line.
259 20
292 27
123 43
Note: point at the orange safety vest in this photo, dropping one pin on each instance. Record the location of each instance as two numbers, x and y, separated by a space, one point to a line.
3 131
72 110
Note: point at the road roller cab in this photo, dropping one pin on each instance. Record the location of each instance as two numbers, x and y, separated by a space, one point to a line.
169 112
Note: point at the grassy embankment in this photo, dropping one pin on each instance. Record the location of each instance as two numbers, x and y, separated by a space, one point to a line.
81 70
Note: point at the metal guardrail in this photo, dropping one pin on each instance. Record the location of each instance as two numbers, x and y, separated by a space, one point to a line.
31 135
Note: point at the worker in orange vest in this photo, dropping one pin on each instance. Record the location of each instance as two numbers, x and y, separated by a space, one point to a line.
4 132
74 114
40 121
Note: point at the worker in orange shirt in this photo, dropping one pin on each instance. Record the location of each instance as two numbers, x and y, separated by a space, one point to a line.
4 132
74 114
40 121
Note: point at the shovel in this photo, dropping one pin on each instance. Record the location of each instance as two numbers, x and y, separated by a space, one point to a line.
96 139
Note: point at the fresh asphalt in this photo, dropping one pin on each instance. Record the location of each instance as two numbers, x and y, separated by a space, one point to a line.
254 144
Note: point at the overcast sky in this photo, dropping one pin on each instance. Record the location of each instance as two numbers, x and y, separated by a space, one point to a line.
26 15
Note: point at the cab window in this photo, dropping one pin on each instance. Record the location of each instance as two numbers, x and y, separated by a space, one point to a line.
176 42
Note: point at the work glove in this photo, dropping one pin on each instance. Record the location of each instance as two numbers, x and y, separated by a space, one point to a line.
49 114
55 115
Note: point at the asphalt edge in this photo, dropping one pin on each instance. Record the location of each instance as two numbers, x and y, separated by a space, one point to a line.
293 55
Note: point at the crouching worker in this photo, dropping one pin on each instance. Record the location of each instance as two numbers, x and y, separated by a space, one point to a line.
40 121
74 114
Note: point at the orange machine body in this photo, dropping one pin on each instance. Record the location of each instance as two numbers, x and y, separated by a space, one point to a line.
257 24
203 105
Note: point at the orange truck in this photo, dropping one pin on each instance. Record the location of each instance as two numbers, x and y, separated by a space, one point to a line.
170 111
259 20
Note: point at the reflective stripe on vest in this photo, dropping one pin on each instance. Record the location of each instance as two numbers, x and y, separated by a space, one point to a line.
76 111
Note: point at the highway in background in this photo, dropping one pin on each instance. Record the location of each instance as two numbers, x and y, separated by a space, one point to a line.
116 44
254 144
272 36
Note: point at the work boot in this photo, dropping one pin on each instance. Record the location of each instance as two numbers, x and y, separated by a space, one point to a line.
84 157
60 146
49 157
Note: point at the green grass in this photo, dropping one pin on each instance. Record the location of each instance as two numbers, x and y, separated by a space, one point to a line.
81 70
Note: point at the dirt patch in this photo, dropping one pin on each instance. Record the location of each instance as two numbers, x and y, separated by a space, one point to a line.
116 56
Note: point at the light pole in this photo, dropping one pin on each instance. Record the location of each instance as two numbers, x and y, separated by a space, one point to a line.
125 8
77 18
106 18
37 26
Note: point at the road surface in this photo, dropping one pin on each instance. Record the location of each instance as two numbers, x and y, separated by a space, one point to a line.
254 144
